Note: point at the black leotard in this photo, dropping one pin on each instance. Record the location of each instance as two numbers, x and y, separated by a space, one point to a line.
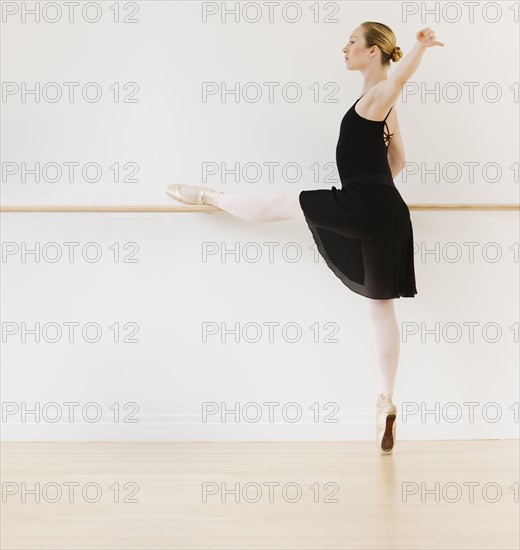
363 230
362 145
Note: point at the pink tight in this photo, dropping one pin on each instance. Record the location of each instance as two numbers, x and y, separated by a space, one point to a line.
388 342
285 206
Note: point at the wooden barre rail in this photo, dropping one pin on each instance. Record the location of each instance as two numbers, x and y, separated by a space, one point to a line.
194 208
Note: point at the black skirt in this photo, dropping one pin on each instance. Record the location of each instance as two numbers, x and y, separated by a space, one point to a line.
364 233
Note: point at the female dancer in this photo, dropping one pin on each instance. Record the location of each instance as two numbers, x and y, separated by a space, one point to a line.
363 231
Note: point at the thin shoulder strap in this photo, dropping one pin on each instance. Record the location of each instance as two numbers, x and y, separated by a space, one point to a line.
388 113
384 120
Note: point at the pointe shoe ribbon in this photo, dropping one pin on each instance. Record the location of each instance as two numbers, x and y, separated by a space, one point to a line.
205 195
385 424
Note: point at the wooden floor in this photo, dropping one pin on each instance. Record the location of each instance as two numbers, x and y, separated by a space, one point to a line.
371 502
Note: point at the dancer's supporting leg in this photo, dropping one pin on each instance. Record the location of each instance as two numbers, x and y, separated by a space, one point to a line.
285 206
386 331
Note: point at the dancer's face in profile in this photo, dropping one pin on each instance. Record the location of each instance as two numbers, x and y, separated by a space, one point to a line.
355 50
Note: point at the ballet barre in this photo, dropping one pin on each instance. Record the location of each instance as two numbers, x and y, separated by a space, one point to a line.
211 209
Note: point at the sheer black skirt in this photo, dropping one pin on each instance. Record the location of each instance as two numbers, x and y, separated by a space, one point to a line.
364 233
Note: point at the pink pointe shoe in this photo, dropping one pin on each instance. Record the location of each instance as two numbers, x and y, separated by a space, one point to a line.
385 424
205 196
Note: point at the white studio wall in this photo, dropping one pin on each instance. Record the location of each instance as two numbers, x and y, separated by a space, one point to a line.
200 326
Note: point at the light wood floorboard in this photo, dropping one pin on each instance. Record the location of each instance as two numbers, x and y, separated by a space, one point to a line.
371 513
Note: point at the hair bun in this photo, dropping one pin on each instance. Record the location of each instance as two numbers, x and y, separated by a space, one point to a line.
396 54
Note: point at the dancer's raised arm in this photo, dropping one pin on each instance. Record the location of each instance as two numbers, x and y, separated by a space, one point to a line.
389 90
410 62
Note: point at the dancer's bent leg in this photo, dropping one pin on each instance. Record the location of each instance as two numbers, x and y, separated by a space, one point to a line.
285 206
386 331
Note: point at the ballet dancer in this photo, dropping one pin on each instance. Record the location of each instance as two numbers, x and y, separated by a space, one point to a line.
363 230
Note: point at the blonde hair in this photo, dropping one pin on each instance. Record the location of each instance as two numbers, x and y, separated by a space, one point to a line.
382 36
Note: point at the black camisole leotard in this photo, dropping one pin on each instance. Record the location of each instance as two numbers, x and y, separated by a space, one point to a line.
364 230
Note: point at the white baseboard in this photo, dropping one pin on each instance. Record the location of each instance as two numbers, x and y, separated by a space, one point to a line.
190 428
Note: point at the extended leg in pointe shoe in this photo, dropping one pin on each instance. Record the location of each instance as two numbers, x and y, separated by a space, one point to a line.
205 196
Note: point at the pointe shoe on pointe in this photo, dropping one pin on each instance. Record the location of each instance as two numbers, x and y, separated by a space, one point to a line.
385 424
205 195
